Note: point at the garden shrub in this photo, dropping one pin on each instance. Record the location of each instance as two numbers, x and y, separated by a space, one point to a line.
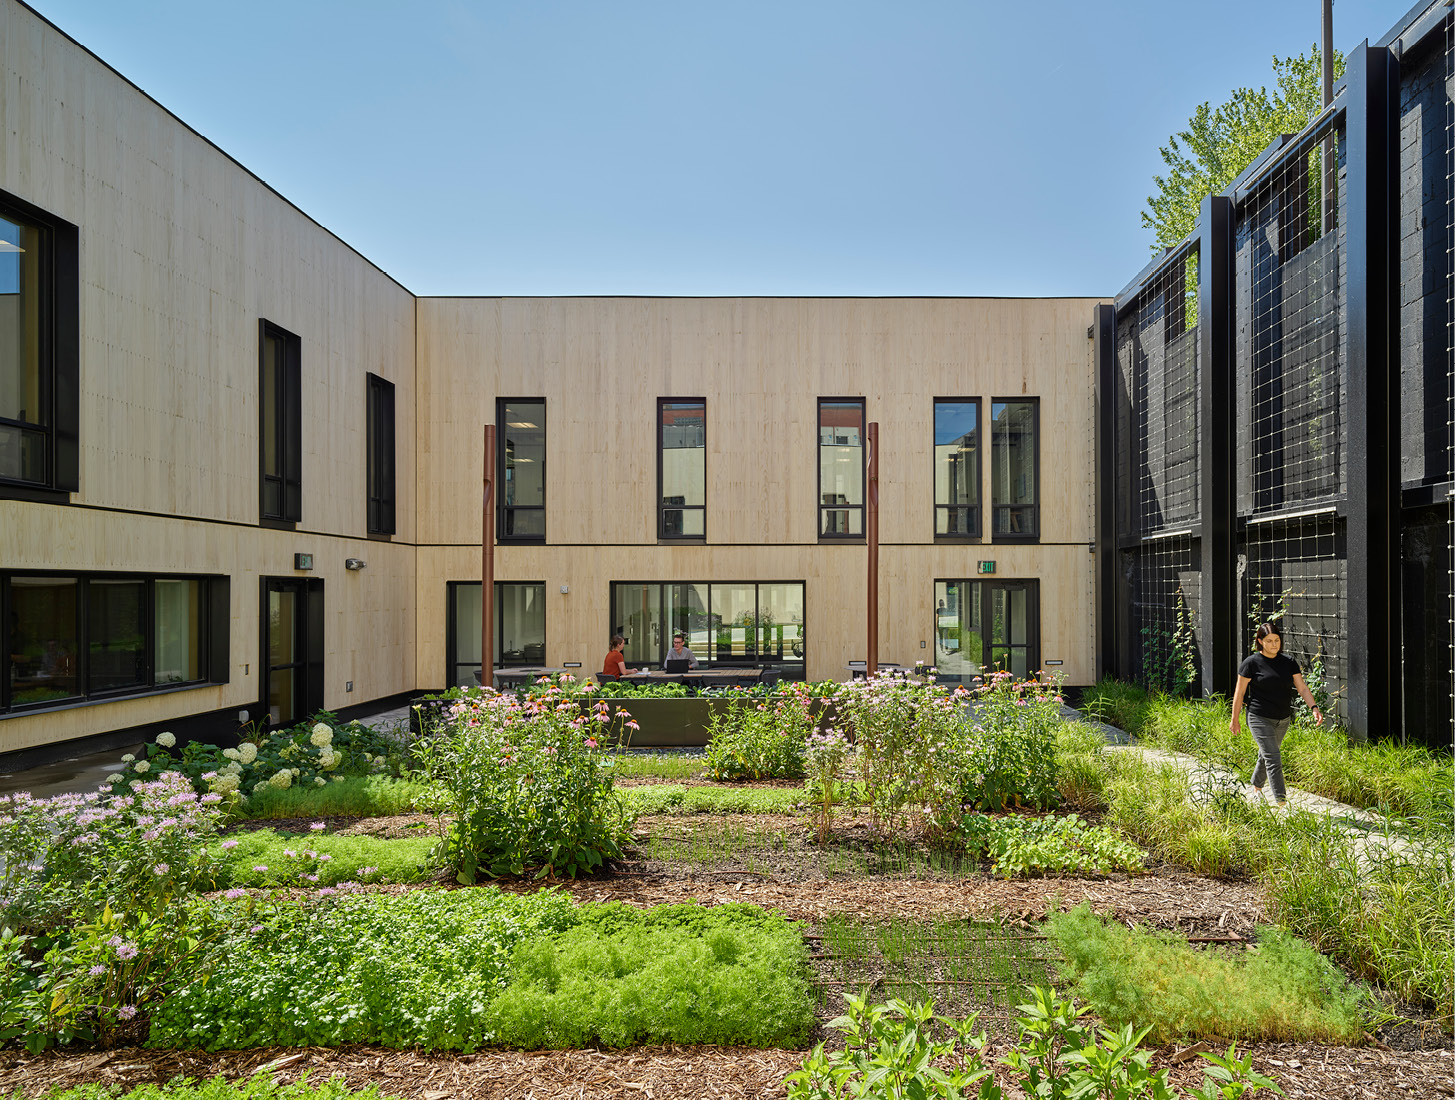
1010 757
260 1086
313 753
529 785
1048 845
1283 991
415 970
317 860
672 974
760 740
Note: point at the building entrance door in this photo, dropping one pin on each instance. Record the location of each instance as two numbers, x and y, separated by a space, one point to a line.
984 626
292 634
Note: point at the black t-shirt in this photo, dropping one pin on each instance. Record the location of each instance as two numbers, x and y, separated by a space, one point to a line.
1270 688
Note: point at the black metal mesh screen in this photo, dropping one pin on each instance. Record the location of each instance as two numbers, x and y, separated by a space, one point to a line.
1292 424
1292 367
1295 573
1159 440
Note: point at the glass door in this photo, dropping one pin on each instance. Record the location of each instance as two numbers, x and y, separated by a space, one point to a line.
984 626
292 633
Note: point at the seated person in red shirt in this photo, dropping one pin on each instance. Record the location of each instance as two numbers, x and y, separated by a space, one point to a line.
615 663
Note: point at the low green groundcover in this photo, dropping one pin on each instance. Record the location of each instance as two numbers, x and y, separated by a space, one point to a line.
463 969
258 1087
263 857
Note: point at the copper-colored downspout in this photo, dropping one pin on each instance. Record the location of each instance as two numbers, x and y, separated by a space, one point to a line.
871 532
487 565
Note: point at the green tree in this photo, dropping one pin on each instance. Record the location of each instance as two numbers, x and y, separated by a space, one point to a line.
1221 141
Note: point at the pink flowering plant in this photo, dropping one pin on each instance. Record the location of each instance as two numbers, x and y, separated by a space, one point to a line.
530 782
910 733
762 738
1010 755
829 755
133 848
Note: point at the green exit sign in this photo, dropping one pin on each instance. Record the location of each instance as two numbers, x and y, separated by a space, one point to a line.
985 567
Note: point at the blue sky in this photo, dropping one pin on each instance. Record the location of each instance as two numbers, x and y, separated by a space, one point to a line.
774 148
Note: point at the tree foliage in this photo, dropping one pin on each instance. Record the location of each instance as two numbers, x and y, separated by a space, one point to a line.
1221 141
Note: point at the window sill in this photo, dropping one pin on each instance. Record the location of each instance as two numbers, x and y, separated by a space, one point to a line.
520 540
380 536
278 524
24 709
1015 539
960 540
33 494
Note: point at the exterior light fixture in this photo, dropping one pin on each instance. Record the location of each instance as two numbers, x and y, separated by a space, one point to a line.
354 564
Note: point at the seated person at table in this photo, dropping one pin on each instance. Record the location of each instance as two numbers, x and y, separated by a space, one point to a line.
615 663
680 652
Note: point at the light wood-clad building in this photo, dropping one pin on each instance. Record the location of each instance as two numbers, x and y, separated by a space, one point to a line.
240 466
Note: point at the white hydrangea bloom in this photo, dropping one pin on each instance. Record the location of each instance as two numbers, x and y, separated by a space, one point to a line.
247 752
282 780
166 740
128 758
295 772
319 781
142 767
224 783
321 735
231 754
115 777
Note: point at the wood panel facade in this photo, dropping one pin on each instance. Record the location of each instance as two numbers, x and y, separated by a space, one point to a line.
183 253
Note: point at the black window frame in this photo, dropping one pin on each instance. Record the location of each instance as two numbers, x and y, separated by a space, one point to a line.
214 622
988 584
60 357
1017 536
823 508
380 455
288 435
797 663
663 508
451 629
504 513
977 510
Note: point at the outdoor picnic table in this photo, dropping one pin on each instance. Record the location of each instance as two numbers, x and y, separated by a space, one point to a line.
859 669
522 674
702 677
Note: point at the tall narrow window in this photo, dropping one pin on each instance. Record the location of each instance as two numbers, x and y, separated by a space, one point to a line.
39 359
957 469
281 425
380 417
841 468
682 469
1015 470
520 511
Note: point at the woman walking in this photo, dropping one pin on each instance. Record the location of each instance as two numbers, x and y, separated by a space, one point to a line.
1267 681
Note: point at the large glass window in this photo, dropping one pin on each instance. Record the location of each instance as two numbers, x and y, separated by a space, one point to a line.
78 637
521 462
380 446
281 425
682 469
729 623
1015 470
957 468
520 628
841 468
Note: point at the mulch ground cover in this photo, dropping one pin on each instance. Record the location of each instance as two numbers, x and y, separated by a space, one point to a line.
658 1073
785 873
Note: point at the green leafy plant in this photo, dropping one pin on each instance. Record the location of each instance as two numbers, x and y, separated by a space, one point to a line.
318 860
1169 652
529 784
829 754
349 796
1049 845
260 1086
760 739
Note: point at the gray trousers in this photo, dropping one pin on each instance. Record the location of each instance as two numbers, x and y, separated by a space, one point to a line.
1268 736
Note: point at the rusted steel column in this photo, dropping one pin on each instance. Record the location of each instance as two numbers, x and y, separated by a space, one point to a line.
487 565
871 532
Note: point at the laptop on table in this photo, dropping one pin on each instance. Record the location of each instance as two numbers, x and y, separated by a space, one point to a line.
678 665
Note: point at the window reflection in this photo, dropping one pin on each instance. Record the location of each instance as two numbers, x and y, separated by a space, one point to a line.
1013 468
957 468
841 467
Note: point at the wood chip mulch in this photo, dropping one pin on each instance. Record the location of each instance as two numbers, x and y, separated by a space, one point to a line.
1190 903
661 1073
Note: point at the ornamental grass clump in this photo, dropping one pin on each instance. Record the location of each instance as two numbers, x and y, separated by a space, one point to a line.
530 784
